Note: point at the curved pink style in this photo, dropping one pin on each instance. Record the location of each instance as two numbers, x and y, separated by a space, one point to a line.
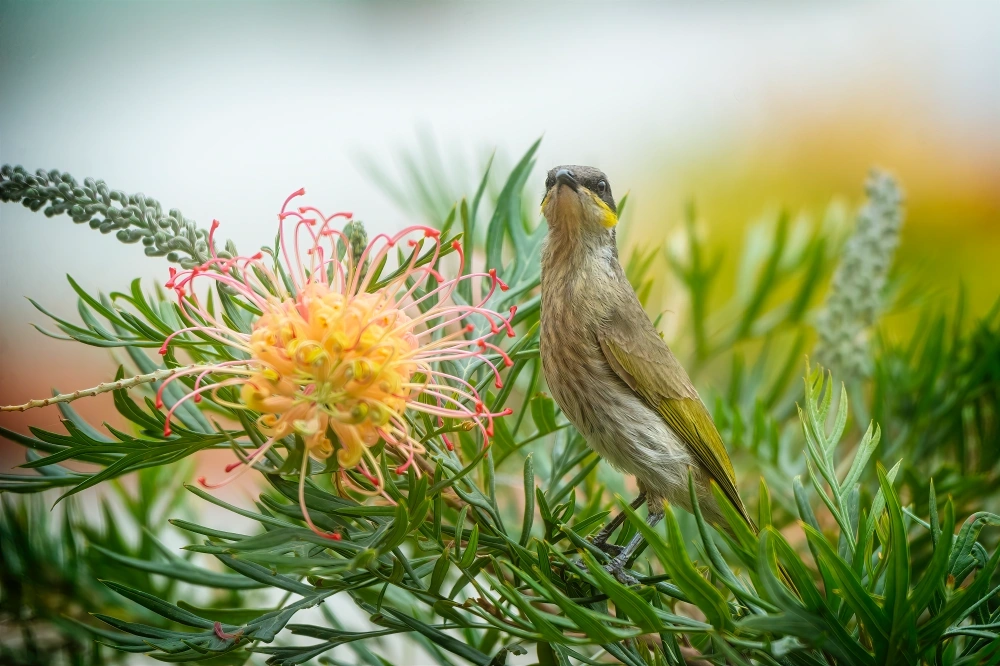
342 347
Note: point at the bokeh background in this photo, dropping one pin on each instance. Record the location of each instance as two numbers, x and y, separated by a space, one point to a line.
222 109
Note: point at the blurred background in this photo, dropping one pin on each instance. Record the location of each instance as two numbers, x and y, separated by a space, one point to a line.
221 110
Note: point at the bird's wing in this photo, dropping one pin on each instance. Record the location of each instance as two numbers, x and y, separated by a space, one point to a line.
643 361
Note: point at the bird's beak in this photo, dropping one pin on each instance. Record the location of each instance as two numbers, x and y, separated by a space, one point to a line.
565 177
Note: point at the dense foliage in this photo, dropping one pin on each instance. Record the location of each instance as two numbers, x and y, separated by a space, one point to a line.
872 548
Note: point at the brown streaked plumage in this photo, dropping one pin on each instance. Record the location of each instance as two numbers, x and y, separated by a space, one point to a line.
613 376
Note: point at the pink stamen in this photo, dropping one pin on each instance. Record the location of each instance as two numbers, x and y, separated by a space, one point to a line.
257 456
211 236
224 636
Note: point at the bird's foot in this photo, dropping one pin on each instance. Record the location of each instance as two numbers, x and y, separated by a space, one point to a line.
607 548
617 569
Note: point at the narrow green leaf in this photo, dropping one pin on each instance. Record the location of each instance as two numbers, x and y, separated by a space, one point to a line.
627 601
529 500
936 573
902 626
180 569
469 554
160 607
850 587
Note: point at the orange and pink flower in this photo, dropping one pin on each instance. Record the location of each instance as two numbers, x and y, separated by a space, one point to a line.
335 355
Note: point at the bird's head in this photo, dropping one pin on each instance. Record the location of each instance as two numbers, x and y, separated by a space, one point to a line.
578 202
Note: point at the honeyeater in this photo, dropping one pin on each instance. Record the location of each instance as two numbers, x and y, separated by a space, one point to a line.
609 370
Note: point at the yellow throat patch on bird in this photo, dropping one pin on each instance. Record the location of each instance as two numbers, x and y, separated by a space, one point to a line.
608 217
573 206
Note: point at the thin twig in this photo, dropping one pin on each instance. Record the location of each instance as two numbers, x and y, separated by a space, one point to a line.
100 388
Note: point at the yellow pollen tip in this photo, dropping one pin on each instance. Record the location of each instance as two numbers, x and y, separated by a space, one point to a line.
320 355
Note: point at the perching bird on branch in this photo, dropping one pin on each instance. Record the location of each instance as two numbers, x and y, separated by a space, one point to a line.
609 370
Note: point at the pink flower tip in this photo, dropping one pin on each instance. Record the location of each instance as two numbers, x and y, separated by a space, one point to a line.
470 327
215 225
223 635
498 384
507 412
163 349
167 431
231 466
197 398
456 245
203 482
431 233
334 535
159 403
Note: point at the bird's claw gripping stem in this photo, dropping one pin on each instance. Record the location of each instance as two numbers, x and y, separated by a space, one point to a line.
617 566
610 548
617 569
601 538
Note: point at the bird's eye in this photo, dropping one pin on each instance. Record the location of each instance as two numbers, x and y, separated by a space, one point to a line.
602 187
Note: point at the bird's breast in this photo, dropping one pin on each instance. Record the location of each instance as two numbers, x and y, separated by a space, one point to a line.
615 421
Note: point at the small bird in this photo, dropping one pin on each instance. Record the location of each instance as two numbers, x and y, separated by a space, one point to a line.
610 371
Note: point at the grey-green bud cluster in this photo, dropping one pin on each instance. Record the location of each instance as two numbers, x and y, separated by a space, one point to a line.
135 218
855 297
356 235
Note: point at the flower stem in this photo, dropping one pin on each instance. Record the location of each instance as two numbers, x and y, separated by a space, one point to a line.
97 390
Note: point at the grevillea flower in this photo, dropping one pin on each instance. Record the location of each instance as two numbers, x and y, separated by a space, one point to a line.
337 354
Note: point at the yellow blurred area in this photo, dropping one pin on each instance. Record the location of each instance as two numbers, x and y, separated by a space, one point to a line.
803 158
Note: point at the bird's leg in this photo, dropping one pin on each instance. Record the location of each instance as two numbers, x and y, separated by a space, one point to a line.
601 538
617 566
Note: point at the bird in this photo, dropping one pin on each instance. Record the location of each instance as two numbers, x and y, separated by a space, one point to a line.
610 371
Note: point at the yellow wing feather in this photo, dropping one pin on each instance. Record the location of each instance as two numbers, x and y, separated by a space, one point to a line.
644 362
